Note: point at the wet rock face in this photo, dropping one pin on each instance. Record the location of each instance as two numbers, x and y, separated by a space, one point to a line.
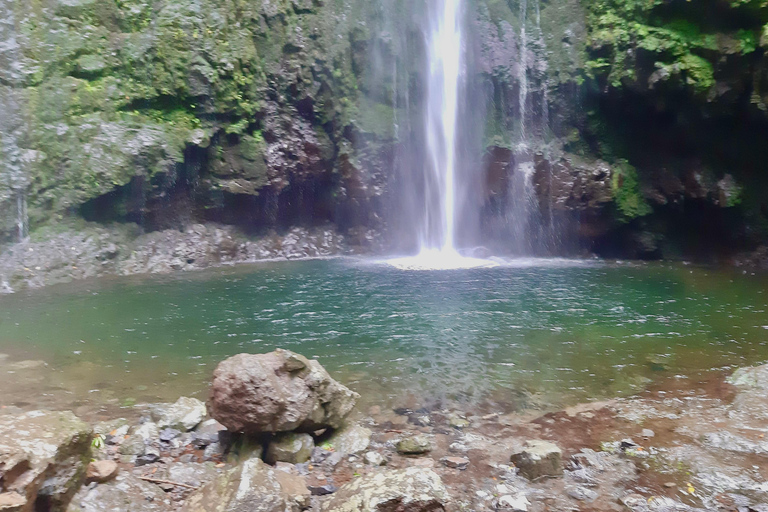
407 490
569 185
277 392
99 251
43 458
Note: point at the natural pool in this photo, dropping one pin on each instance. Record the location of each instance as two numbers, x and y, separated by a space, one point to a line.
533 333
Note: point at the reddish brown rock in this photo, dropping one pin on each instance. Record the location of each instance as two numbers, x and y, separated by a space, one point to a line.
277 392
101 471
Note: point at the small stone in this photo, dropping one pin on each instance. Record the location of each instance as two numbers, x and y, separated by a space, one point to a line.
458 448
146 431
414 445
581 493
510 503
133 446
421 420
633 500
647 433
349 440
320 486
319 455
460 463
169 434
374 459
670 485
101 471
213 451
150 456
539 459
290 447
185 414
457 421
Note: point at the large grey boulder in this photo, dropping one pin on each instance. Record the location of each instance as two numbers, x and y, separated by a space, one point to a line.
126 493
277 392
405 490
43 458
250 487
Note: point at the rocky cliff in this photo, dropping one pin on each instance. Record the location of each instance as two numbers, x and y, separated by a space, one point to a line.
643 121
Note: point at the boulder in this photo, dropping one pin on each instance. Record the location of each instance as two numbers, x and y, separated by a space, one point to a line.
250 487
414 445
277 392
349 440
184 415
125 493
405 490
43 458
290 447
539 459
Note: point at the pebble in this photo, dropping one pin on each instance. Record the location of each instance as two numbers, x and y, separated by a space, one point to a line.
460 463
169 434
374 459
511 503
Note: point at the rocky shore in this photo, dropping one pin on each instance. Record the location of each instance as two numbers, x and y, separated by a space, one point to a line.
279 434
97 250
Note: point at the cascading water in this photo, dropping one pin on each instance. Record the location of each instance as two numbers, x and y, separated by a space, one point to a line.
437 234
445 60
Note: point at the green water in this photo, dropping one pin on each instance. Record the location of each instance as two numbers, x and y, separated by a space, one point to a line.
532 334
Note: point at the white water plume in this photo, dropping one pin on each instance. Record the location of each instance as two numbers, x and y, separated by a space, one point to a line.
437 235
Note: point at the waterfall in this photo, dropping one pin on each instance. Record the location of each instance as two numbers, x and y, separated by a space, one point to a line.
22 221
444 54
441 180
523 73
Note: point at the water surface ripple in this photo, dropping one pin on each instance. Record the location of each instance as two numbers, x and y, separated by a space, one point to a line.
520 335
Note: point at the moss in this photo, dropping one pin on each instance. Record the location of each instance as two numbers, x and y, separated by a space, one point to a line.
626 192
680 39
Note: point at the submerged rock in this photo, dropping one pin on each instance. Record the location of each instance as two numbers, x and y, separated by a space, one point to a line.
43 458
539 459
277 392
406 490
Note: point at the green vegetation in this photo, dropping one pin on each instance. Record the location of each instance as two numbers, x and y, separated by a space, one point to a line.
627 194
682 42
